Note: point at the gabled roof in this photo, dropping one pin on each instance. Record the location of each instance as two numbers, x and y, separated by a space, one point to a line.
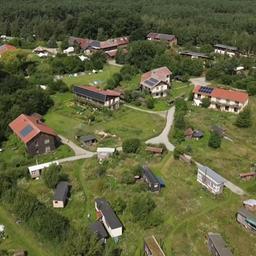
160 36
95 93
108 213
84 43
212 174
220 93
226 47
150 175
6 48
99 229
28 127
154 77
61 191
219 244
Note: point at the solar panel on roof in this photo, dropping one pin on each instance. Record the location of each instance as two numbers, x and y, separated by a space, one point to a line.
148 82
153 80
205 89
25 131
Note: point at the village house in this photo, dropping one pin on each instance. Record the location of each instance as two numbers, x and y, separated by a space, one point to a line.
35 171
247 219
87 140
99 230
195 55
250 205
60 195
6 48
109 218
155 150
157 82
105 153
217 246
150 178
170 39
36 135
226 50
82 43
45 52
152 247
97 97
210 179
221 99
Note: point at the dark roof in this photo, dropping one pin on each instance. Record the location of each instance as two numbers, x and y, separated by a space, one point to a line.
219 244
61 191
108 213
159 36
87 138
195 54
98 228
247 214
95 93
150 175
95 44
198 134
227 47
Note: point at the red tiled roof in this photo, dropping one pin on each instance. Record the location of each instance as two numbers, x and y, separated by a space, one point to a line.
100 91
159 73
224 94
6 48
83 42
32 125
115 42
111 53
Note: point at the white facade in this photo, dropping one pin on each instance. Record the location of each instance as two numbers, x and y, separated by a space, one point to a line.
225 52
104 153
213 184
221 104
116 232
35 170
58 204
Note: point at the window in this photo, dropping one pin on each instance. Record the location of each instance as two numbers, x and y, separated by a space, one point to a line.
235 109
199 96
47 141
47 149
237 102
226 108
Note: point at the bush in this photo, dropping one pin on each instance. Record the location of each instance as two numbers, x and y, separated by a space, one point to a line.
101 170
214 140
119 205
244 119
150 102
131 145
206 102
52 175
127 178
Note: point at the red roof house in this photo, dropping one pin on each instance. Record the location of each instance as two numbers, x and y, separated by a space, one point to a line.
38 137
222 99
171 39
6 48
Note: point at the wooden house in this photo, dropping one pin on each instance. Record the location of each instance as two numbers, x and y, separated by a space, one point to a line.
97 97
247 219
60 195
217 246
152 181
36 135
152 247
155 150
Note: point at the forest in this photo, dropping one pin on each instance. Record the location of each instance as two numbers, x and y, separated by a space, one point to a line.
198 22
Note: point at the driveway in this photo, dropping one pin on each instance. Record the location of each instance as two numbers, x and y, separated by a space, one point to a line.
160 113
77 150
163 138
199 81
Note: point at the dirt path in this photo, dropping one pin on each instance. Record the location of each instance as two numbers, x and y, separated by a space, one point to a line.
159 113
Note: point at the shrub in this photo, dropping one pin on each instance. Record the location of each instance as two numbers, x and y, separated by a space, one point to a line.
244 119
119 205
206 102
150 102
214 140
127 178
52 175
131 145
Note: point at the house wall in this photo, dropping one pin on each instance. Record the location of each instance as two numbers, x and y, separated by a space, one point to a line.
225 52
209 183
154 187
242 220
221 104
112 102
112 232
58 204
41 144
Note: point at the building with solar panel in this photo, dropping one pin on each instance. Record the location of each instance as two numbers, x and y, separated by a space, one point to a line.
221 99
36 135
97 97
157 82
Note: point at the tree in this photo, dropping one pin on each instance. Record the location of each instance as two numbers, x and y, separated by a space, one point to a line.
127 178
131 145
52 175
206 102
150 102
119 205
214 140
244 119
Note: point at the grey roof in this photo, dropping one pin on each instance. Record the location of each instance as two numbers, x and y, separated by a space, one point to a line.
98 228
95 44
196 54
89 93
246 213
61 191
209 172
109 214
227 47
219 244
87 138
197 134
150 175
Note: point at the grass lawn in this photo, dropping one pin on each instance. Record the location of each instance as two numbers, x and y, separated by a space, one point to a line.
21 238
188 211
71 120
90 78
